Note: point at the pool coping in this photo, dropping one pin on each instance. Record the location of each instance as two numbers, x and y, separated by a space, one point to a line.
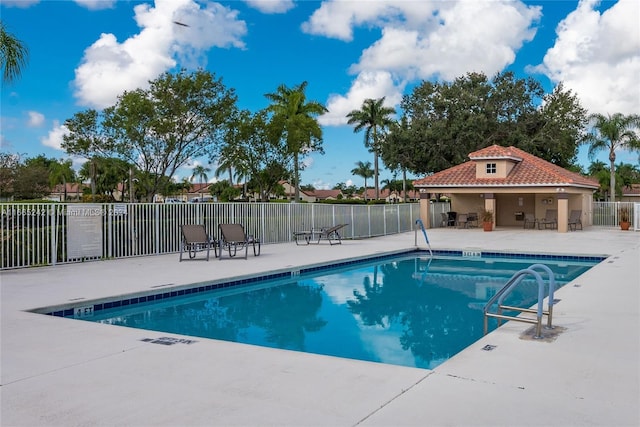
169 291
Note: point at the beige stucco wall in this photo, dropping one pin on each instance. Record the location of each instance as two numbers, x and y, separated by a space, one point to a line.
503 167
508 201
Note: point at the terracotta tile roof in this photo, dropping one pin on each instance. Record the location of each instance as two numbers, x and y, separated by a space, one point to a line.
633 190
200 187
72 187
528 171
324 194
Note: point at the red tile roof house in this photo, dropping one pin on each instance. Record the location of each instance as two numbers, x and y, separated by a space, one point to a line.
631 193
510 182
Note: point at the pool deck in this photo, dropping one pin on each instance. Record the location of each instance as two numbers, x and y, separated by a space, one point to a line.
63 372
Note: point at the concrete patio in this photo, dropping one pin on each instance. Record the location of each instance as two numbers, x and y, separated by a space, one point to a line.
64 372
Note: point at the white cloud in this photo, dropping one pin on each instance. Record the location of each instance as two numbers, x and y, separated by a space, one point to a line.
320 184
54 138
337 19
271 6
422 40
306 162
597 55
35 119
110 67
23 4
373 85
96 4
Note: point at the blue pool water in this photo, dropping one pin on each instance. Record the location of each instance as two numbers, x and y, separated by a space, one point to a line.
408 310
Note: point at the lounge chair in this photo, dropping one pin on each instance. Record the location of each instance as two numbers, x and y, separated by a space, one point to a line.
331 234
233 238
550 219
575 220
316 235
530 220
195 239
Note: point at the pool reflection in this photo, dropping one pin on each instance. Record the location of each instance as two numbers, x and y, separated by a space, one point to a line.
410 312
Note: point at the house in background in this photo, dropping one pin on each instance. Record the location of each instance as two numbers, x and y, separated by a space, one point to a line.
67 192
631 193
290 192
388 196
511 183
325 195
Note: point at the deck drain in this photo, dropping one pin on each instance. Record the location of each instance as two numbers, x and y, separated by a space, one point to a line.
168 341
489 347
162 286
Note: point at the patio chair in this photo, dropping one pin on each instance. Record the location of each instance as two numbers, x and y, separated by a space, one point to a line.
472 219
462 221
233 238
195 239
550 219
444 218
451 218
530 220
575 220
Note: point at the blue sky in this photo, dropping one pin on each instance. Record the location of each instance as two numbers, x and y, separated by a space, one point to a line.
84 53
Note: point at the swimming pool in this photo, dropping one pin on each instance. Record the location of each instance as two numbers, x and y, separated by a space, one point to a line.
408 309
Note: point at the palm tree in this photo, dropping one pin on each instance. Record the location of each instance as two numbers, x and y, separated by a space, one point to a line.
200 172
13 55
613 133
363 169
225 163
295 120
374 117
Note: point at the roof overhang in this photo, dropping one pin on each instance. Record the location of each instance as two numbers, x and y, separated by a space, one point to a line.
471 186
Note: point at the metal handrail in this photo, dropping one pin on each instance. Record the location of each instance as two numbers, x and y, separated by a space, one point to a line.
424 232
516 279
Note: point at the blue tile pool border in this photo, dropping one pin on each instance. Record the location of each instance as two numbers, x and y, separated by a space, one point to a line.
167 293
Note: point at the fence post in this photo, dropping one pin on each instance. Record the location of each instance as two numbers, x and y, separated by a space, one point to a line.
54 235
157 229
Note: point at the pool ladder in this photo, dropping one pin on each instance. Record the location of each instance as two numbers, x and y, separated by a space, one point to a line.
424 232
539 312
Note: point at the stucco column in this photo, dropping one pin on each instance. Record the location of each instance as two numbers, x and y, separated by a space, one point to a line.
424 209
563 212
490 205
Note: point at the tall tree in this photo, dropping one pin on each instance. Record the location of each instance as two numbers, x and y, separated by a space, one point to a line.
398 152
296 120
8 167
200 172
374 118
106 175
13 55
612 133
259 153
180 117
32 178
363 170
61 172
226 163
450 120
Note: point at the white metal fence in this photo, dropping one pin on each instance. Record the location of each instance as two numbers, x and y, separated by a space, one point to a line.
607 214
51 233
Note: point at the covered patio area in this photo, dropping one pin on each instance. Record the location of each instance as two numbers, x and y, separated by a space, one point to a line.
515 186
